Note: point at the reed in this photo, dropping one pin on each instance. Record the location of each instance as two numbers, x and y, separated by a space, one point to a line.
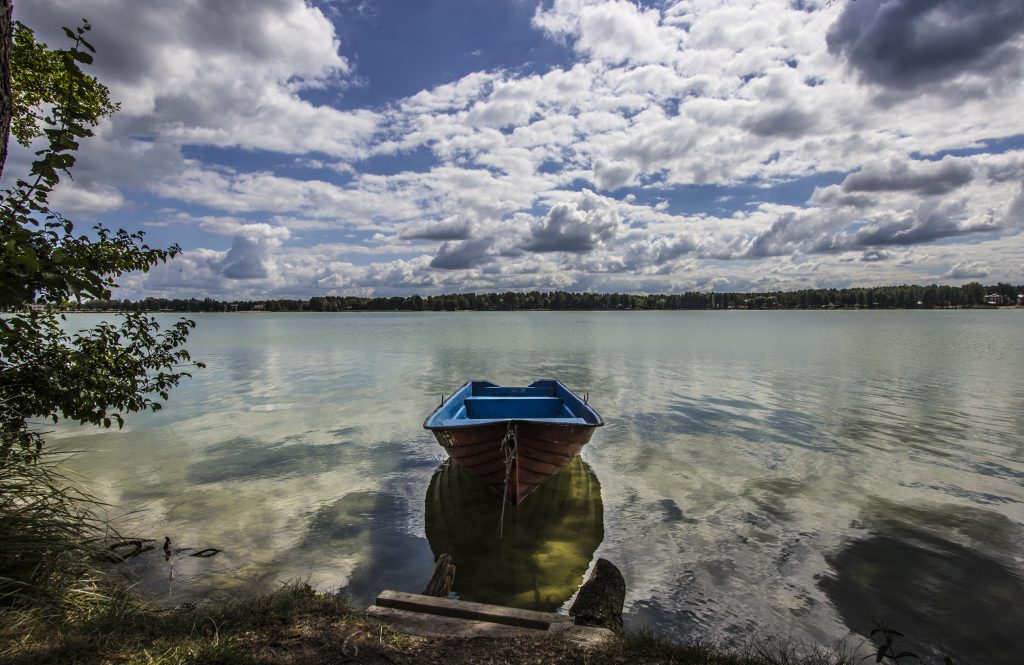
51 537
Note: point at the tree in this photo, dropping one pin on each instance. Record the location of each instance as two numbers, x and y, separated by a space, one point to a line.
96 375
6 101
41 76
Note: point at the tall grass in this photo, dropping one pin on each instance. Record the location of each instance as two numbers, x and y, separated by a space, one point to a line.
50 537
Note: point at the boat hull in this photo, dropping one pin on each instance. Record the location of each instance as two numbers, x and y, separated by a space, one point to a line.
514 457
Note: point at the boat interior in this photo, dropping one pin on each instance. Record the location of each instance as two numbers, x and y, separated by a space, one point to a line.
481 402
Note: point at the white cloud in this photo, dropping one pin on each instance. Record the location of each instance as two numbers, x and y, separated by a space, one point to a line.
85 199
223 74
565 177
969 270
614 32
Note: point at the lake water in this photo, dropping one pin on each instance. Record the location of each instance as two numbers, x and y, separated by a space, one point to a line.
770 473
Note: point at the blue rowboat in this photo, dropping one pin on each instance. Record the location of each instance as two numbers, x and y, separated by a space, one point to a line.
514 438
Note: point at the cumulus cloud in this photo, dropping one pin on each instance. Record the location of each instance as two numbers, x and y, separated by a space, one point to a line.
576 229
831 231
461 255
928 223
969 270
615 31
787 122
613 175
926 178
911 43
874 255
227 73
251 246
452 228
514 177
245 260
85 199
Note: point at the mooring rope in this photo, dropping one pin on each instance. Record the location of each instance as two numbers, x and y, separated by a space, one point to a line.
509 446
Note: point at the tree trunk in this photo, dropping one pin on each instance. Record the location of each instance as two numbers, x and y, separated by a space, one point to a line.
6 101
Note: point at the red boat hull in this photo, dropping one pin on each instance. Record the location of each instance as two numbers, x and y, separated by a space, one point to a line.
532 452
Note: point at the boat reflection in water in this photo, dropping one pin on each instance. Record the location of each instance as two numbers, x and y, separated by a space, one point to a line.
539 559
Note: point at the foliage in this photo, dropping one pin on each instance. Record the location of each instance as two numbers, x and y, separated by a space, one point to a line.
41 76
85 375
91 376
42 259
96 375
887 650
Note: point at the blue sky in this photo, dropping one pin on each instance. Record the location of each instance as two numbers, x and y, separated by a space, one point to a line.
354 147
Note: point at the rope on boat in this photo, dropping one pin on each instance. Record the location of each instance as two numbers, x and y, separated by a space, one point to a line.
509 446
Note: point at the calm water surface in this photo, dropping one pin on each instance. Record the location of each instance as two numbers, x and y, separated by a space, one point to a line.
793 473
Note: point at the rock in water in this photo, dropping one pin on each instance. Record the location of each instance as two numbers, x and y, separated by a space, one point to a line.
599 602
444 576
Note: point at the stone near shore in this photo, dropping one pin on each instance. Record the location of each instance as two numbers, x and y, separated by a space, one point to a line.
441 581
600 599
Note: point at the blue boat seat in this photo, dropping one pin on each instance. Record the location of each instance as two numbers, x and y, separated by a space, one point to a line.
513 407
504 391
463 422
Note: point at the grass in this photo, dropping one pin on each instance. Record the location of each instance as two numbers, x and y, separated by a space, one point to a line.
50 537
292 625
296 626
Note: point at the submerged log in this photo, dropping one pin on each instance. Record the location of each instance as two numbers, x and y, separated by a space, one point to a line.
599 602
443 578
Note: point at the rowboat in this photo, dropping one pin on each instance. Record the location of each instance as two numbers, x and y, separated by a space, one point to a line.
514 438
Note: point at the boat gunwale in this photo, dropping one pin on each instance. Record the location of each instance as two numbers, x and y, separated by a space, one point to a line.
546 422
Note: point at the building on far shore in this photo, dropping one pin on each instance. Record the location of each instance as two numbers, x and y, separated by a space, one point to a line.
995 300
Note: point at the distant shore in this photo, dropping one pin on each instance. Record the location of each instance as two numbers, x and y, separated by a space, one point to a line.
968 296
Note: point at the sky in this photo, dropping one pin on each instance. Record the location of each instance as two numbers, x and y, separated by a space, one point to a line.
392 147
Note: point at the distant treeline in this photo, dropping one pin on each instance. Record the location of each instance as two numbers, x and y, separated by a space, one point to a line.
886 297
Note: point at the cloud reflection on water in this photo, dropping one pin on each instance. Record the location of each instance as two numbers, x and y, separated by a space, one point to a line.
741 452
927 572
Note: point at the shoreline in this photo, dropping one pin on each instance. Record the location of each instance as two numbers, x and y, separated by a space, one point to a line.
565 311
297 625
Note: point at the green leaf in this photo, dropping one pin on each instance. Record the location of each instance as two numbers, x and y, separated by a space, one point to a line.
29 261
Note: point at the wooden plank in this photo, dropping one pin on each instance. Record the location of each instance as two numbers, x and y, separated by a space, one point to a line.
462 609
432 625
